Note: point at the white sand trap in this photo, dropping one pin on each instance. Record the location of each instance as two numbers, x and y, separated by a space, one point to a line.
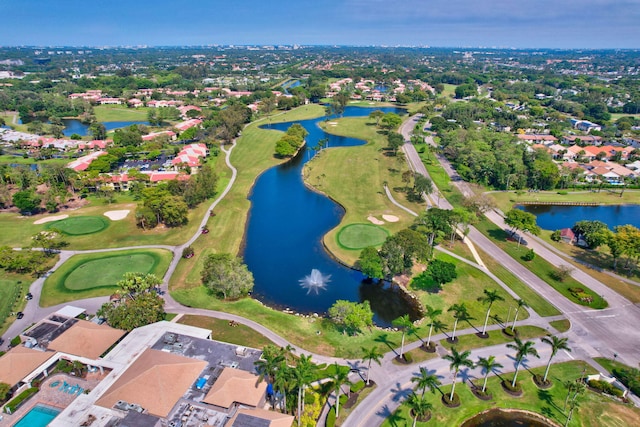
333 123
117 215
50 219
375 220
390 218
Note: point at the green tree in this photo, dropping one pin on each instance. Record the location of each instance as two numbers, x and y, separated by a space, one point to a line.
174 211
352 317
391 121
488 365
490 296
594 233
340 378
49 240
395 141
407 326
370 263
26 201
339 103
426 380
524 221
520 303
419 406
556 344
226 275
98 131
457 360
131 313
523 349
304 374
460 313
442 271
376 115
369 355
432 314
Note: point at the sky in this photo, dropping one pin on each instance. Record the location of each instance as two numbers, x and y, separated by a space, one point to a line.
447 23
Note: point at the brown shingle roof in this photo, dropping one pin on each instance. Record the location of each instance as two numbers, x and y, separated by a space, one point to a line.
234 385
19 362
155 381
86 339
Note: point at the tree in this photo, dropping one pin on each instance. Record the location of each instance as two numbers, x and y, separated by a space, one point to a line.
26 201
340 378
426 380
376 115
5 389
457 360
556 345
304 373
573 405
488 365
371 354
98 131
419 407
520 220
594 233
391 121
174 211
404 323
395 141
432 314
284 382
370 263
442 271
226 275
422 184
49 240
520 303
490 296
523 349
460 312
351 316
339 103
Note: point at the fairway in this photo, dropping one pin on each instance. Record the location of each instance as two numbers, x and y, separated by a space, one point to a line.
359 236
80 225
107 271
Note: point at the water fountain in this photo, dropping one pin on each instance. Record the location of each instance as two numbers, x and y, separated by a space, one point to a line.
315 281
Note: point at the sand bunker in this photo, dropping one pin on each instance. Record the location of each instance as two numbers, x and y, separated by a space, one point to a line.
117 215
50 219
375 220
390 218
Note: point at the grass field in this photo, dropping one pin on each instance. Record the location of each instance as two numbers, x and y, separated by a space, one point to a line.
616 116
96 274
472 341
79 225
115 113
506 199
359 236
7 159
221 330
449 90
594 411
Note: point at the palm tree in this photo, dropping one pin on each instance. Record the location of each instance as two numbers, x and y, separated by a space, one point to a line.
304 374
432 314
490 296
284 382
488 364
269 361
426 380
521 303
460 312
523 349
419 407
556 345
437 326
457 361
404 323
340 378
371 354
572 407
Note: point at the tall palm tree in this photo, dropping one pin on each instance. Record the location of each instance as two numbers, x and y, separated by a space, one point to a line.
419 406
556 344
457 360
268 362
488 364
284 382
371 354
460 312
426 380
432 314
404 323
520 303
523 349
437 325
340 378
573 405
304 373
490 296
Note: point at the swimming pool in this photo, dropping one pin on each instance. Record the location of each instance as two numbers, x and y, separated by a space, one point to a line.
38 416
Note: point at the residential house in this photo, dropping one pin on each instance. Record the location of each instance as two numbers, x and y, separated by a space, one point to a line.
583 139
82 163
538 139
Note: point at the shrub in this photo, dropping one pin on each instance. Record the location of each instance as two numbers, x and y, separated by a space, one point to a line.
630 378
187 252
563 192
331 418
605 387
407 357
581 295
556 236
529 255
16 341
561 273
356 387
343 399
19 399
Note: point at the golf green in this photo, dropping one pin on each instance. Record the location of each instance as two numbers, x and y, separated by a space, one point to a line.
107 271
79 225
359 236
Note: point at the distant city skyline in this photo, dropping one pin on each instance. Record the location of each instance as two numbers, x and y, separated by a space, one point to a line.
589 24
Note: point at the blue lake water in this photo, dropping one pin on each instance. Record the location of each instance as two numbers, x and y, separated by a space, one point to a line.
556 217
283 240
76 126
38 416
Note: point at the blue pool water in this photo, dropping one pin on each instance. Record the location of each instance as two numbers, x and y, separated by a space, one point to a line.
38 416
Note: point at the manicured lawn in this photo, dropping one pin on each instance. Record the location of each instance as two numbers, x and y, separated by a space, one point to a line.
7 159
11 293
221 330
468 342
96 274
105 113
79 225
595 410
538 266
449 90
359 236
561 325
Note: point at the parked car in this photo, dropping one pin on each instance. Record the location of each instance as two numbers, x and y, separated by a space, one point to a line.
29 296
20 315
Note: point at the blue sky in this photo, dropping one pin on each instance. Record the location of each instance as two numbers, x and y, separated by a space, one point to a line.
456 23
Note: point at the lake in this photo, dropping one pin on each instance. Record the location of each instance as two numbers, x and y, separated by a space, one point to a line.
551 217
76 126
283 240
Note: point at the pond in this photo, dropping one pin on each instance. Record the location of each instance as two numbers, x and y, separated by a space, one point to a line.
76 126
283 240
511 418
552 217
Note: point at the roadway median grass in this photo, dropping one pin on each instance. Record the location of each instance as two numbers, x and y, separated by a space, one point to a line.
96 274
539 266
595 410
472 341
